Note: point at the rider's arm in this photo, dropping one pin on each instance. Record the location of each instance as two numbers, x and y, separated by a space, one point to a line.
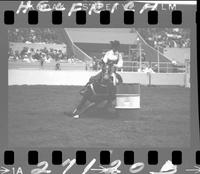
120 62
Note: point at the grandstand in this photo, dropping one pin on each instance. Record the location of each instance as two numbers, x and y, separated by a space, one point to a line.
95 41
84 44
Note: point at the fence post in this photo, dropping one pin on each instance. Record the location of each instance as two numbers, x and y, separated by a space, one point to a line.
149 75
158 58
129 52
167 67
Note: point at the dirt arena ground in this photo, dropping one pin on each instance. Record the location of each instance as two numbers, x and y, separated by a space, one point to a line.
37 119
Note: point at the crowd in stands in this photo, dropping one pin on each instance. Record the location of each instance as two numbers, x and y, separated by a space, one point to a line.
37 35
163 37
166 38
46 55
32 35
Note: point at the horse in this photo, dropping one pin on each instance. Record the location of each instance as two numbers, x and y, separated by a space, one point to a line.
100 88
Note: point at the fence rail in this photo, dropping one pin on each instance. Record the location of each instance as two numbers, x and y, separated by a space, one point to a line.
161 67
128 66
80 78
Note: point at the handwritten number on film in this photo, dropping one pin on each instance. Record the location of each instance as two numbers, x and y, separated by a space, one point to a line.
113 169
39 170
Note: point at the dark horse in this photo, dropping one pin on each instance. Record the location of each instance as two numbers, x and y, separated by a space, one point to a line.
100 88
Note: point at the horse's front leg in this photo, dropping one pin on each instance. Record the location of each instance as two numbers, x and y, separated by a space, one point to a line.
87 108
78 109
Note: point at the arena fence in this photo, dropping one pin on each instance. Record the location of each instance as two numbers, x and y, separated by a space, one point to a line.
161 67
76 77
64 65
187 73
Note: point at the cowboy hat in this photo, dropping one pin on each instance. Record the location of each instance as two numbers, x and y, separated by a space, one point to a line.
115 44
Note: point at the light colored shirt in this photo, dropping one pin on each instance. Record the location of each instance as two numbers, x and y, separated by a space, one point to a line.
148 70
115 57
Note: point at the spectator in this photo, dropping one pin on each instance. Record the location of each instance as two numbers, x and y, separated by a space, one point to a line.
37 35
168 37
17 55
32 35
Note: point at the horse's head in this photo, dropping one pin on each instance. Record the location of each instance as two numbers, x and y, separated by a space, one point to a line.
107 73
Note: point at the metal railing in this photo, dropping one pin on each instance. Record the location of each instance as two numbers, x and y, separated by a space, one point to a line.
161 67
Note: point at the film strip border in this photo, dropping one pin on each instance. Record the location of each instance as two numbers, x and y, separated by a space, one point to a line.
104 17
81 157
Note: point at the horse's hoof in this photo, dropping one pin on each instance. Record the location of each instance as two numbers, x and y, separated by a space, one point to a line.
76 116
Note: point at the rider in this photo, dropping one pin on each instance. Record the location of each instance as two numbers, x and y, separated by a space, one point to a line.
113 57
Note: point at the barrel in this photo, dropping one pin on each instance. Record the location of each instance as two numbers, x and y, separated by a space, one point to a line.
128 96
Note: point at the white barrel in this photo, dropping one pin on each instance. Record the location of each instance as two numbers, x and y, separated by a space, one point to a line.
128 97
129 101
